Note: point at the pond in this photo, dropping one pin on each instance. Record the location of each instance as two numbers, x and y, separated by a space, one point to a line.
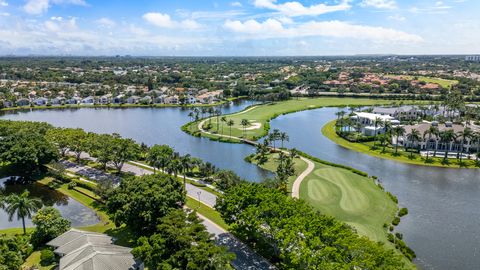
78 214
443 225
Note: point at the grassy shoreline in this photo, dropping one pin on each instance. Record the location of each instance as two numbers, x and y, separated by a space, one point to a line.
260 116
328 130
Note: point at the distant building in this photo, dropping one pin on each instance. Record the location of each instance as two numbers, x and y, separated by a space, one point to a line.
367 122
473 58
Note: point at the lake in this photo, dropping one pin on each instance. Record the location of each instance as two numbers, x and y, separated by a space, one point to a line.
443 223
78 214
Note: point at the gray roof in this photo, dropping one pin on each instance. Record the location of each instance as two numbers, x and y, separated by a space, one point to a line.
92 251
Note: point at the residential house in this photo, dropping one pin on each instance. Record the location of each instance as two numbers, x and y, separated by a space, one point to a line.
93 251
133 99
105 99
58 101
40 101
119 99
88 100
146 100
171 100
73 101
370 123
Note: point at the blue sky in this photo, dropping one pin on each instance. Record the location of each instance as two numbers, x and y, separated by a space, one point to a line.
238 28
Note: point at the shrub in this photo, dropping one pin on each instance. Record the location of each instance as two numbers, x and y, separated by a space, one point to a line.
403 212
47 257
396 221
393 197
72 185
399 235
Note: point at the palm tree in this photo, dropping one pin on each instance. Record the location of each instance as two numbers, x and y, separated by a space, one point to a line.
284 137
398 131
465 134
378 122
244 124
413 137
223 120
230 123
187 165
22 205
447 137
274 136
432 131
476 138
218 112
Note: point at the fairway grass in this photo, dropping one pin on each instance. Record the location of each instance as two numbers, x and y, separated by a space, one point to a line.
442 82
328 130
260 115
349 197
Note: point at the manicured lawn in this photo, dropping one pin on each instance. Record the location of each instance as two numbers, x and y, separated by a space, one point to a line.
15 231
329 131
442 82
34 260
207 212
260 115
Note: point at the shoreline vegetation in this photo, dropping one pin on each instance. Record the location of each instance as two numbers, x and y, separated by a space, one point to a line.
328 130
119 106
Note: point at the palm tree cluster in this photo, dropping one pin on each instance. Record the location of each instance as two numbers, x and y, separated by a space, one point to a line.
275 136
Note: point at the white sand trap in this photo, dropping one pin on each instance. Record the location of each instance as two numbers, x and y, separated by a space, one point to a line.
254 126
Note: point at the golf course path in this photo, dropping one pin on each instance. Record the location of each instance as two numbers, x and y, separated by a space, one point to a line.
200 125
298 181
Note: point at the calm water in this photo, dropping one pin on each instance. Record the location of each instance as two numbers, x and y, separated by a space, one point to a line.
444 220
70 209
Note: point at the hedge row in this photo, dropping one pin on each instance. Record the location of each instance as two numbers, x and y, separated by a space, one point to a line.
305 155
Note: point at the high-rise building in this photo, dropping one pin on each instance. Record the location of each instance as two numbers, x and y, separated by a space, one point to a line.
474 58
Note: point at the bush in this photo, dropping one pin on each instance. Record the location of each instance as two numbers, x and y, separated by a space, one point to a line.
403 212
72 185
396 221
47 257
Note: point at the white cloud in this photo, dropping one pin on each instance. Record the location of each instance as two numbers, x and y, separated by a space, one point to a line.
236 4
4 14
272 28
381 4
293 9
396 17
42 6
165 21
56 19
106 22
3 3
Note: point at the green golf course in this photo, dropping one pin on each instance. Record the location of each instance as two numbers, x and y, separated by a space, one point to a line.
259 116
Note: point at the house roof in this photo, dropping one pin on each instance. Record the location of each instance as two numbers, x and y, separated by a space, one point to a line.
373 116
91 251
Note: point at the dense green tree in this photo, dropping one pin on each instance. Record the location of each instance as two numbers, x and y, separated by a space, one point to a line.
13 251
123 150
49 224
140 201
295 236
159 155
182 242
225 179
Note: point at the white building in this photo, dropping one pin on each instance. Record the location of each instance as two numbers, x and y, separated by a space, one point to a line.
367 122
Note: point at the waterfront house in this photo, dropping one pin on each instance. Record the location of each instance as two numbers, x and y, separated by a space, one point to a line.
105 99
171 100
366 122
58 101
434 142
94 251
40 101
119 99
133 99
22 102
73 101
146 100
88 101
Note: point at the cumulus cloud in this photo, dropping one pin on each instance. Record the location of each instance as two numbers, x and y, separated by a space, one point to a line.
272 28
165 21
236 4
106 22
42 6
381 4
3 3
293 9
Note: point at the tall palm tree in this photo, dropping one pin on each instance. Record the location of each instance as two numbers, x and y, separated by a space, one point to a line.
447 137
465 134
432 131
377 122
223 120
218 112
476 139
22 205
413 137
244 124
398 131
187 165
284 137
230 123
